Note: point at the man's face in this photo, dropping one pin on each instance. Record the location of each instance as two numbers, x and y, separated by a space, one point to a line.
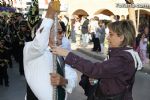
23 28
59 36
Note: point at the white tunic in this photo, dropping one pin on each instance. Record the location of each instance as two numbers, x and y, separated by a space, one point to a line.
38 64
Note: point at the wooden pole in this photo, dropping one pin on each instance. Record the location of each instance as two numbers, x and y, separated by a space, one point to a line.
54 56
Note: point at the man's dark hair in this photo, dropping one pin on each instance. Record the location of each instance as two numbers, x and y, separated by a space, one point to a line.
63 26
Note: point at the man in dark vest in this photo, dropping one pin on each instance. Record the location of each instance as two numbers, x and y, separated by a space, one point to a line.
85 31
3 64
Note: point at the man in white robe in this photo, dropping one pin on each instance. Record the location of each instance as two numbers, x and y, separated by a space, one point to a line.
38 62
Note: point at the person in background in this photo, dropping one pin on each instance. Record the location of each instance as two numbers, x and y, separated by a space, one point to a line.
18 18
3 64
102 36
117 17
122 17
85 31
23 35
143 45
116 74
38 63
77 30
96 34
72 26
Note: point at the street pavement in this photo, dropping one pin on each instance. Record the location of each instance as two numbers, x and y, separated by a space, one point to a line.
17 88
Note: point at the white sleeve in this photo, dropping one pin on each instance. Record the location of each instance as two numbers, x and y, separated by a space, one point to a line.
71 76
40 42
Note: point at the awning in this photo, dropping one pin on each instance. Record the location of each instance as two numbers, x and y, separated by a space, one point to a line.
104 11
80 12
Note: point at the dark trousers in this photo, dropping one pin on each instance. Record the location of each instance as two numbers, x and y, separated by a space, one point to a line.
10 61
96 46
21 70
4 75
30 94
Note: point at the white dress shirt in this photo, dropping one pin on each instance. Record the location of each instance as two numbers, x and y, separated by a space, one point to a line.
38 63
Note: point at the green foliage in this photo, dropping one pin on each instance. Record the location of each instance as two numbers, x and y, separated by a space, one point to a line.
33 14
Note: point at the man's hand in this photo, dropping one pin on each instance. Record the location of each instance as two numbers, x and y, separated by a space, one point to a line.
53 7
57 80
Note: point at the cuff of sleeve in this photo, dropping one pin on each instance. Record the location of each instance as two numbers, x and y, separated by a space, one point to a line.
68 87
